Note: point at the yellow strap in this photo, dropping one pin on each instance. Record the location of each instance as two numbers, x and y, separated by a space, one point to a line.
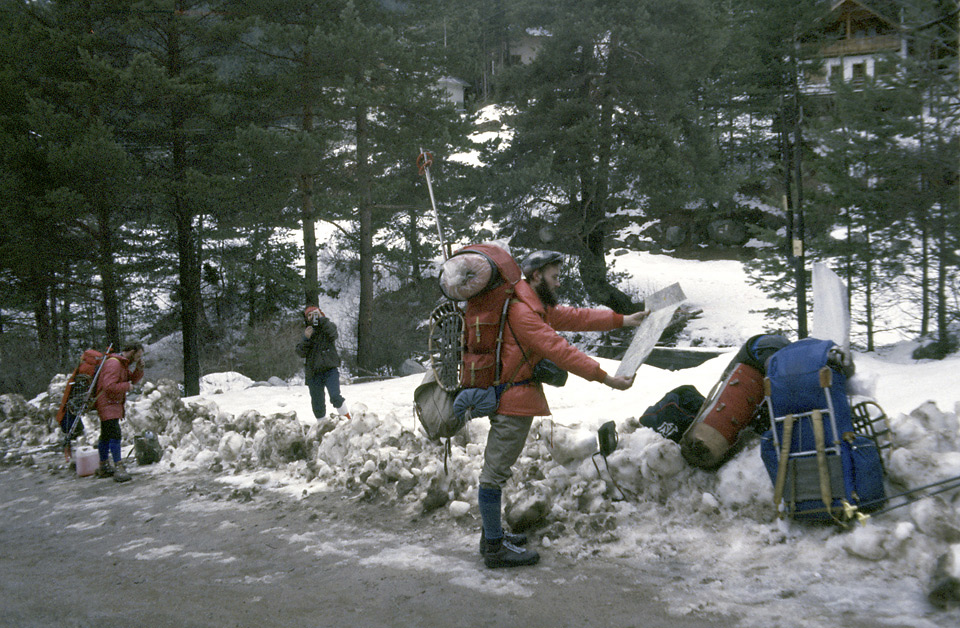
826 494
784 455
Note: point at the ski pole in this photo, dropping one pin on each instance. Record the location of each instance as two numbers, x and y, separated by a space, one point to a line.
424 161
948 484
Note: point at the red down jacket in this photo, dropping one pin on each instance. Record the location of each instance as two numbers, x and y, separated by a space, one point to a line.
535 327
112 386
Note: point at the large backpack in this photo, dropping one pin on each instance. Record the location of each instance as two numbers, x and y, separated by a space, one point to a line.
486 311
78 395
465 344
821 468
732 405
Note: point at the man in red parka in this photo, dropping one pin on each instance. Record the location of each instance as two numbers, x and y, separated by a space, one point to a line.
120 371
533 319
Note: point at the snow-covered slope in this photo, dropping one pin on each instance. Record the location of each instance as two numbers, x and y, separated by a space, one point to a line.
719 528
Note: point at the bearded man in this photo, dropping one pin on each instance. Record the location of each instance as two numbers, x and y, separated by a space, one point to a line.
530 338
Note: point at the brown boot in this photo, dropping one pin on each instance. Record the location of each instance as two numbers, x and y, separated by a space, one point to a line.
121 475
105 470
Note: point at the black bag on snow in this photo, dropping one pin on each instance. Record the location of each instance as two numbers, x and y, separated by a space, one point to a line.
671 416
147 448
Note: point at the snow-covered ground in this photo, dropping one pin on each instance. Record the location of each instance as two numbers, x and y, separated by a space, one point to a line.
722 526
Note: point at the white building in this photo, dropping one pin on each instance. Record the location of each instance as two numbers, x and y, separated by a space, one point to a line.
855 40
453 88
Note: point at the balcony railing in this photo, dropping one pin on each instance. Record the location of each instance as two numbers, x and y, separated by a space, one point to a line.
861 46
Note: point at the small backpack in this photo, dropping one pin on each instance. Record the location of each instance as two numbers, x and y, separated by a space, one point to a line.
674 413
433 406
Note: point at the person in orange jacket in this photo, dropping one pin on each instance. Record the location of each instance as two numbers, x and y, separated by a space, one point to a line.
533 319
120 372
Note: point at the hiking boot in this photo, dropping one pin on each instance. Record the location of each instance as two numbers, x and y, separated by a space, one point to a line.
515 539
502 553
121 475
105 470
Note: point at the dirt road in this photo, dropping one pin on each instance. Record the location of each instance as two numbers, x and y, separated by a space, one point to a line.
180 550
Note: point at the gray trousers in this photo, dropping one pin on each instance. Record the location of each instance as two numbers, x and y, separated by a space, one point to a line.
505 441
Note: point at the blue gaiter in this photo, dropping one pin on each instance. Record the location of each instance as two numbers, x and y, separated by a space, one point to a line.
115 449
489 499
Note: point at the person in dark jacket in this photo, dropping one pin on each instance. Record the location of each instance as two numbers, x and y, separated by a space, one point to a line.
321 369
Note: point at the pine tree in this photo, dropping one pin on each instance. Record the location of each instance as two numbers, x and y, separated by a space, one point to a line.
174 87
86 173
388 107
609 117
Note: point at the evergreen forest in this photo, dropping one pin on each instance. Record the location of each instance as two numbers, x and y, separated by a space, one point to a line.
166 165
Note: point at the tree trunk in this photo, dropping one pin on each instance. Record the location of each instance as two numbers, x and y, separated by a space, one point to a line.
189 259
943 263
311 277
413 238
189 290
365 349
46 339
924 242
108 277
868 292
55 324
594 186
65 358
801 257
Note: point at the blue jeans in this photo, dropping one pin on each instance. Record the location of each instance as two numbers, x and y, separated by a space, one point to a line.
329 379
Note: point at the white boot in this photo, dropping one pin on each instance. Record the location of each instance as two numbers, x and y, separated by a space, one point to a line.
342 411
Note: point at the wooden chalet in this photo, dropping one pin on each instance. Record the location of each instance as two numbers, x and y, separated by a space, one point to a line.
852 42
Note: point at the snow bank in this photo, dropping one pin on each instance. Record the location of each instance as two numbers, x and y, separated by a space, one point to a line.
265 436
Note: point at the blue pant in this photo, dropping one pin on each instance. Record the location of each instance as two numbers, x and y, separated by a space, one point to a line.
329 379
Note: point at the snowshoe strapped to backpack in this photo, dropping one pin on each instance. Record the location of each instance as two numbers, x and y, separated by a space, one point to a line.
821 469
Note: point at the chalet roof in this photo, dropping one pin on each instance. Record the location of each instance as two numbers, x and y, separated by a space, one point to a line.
862 9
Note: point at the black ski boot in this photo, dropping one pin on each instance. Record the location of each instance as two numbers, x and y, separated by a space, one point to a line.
515 539
503 553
